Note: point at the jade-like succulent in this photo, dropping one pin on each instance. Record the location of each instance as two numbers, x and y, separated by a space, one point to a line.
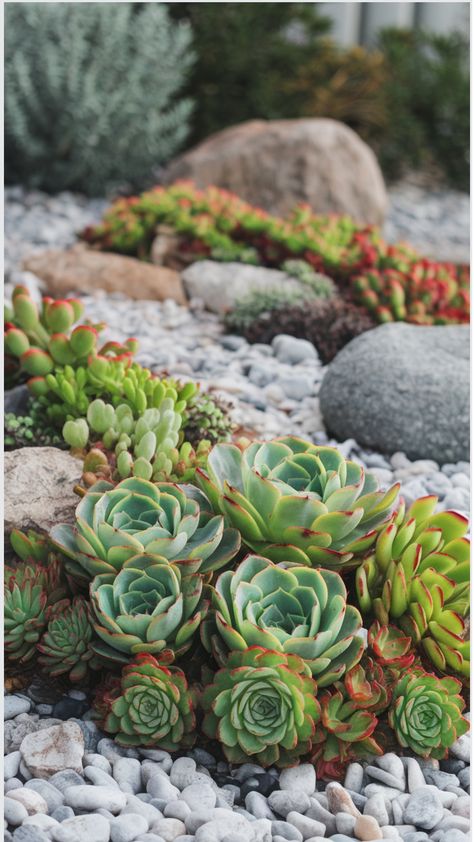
150 606
29 430
206 418
418 577
298 611
65 646
152 706
135 517
296 501
262 705
426 713
25 610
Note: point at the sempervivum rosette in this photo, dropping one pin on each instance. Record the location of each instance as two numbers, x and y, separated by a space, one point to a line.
151 705
418 577
296 501
299 611
66 644
262 705
426 713
147 607
114 523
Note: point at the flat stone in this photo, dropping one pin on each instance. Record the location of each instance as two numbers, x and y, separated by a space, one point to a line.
11 764
177 810
367 828
160 786
31 800
12 783
318 812
354 777
97 760
127 773
92 797
440 779
256 804
30 833
53 750
93 828
287 831
339 801
98 777
388 792
47 501
14 811
63 780
424 810
307 827
53 797
42 821
391 763
290 350
386 777
199 796
61 814
375 807
415 776
13 705
286 801
137 805
169 829
301 778
126 828
425 413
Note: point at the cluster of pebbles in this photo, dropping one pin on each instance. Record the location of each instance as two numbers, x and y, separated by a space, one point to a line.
65 781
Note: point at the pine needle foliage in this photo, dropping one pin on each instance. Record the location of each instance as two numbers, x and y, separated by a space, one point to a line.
92 93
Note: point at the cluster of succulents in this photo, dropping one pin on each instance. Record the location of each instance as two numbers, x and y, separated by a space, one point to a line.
31 430
226 607
390 281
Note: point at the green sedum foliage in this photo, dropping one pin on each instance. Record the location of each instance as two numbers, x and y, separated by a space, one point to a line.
92 93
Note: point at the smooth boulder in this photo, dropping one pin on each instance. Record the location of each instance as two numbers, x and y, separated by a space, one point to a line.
405 388
277 164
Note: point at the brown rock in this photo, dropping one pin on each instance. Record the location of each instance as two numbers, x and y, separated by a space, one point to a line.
367 828
277 164
53 750
81 269
339 801
39 484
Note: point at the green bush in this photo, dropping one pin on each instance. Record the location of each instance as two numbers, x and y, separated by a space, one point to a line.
92 93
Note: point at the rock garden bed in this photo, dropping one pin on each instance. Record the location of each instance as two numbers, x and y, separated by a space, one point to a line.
277 649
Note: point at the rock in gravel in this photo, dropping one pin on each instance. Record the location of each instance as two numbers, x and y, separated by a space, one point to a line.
63 813
386 778
29 833
424 810
339 801
291 350
415 776
127 773
321 162
47 501
307 827
53 749
392 764
13 705
345 823
88 828
14 811
354 777
31 800
160 786
199 796
92 797
286 831
367 828
462 748
98 777
42 821
375 807
137 805
11 763
80 269
424 413
126 828
111 750
177 810
53 797
92 759
169 829
285 801
63 780
301 778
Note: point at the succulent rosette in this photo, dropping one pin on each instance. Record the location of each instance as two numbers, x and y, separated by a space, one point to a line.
115 523
296 501
262 705
426 713
297 611
25 611
418 577
66 644
151 705
148 607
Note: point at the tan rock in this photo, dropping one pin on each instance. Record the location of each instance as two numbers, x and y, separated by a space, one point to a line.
166 249
339 801
39 484
32 801
82 269
53 750
367 828
279 163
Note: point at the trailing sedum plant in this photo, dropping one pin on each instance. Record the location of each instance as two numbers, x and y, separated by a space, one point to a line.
116 523
426 713
150 606
297 611
295 501
418 577
151 706
262 705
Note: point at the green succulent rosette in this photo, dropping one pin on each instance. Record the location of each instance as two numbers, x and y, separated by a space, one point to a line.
66 644
152 707
115 523
418 577
148 607
295 501
25 610
297 611
426 713
262 705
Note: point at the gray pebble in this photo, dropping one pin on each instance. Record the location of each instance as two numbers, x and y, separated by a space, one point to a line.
345 823
127 773
61 814
11 764
354 777
14 812
14 705
90 798
375 807
176 810
13 783
30 833
415 776
63 780
320 814
53 797
387 778
256 804
300 778
111 750
424 810
98 760
160 786
87 828
199 796
440 779
126 828
169 829
285 801
98 777
135 804
287 831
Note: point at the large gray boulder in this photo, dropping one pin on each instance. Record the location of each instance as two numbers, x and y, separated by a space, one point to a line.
402 387
277 164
